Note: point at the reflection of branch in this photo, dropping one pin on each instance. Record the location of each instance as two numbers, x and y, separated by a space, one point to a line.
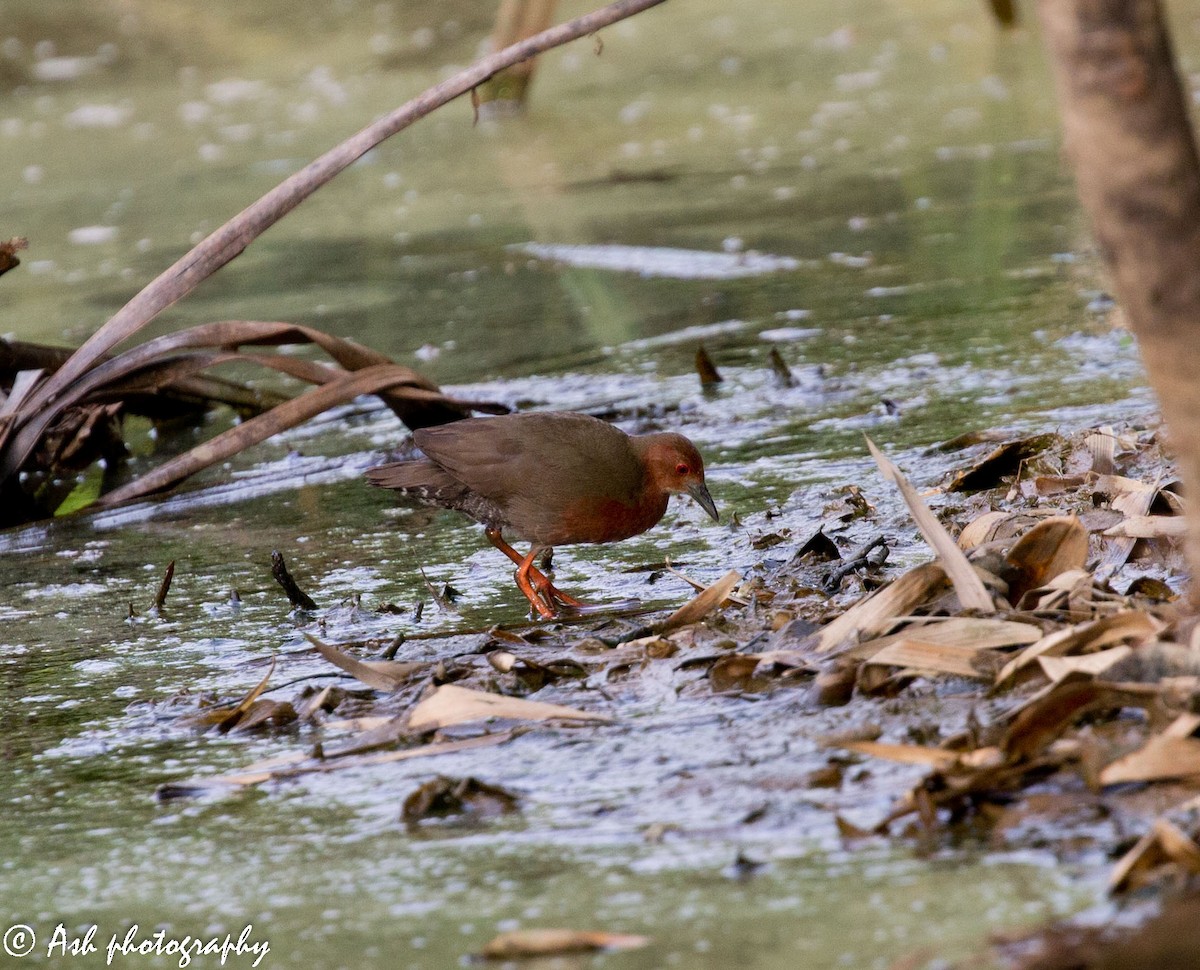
233 237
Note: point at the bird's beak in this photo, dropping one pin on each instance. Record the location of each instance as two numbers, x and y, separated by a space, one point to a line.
699 491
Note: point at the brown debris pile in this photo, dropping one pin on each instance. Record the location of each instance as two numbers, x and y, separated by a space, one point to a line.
1093 685
1085 699
49 431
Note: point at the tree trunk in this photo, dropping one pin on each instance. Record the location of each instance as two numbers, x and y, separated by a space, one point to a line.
1130 142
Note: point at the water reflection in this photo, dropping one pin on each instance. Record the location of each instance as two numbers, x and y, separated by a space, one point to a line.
898 160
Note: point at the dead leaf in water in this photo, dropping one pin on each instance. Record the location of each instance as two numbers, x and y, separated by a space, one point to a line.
226 719
736 671
8 253
706 369
385 675
450 705
444 796
783 374
266 712
908 754
1000 462
552 942
295 765
969 439
697 609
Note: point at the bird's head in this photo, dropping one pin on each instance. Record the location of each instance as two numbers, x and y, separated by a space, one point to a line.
675 466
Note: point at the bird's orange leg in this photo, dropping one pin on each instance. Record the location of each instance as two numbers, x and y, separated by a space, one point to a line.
539 598
541 593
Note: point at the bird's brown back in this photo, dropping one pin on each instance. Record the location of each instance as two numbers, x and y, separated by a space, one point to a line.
543 471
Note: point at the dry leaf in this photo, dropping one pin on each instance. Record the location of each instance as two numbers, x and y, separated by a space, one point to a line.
1184 726
909 754
977 633
1117 487
1002 461
1162 757
1052 484
1042 721
1103 446
1127 625
700 587
450 705
1050 548
972 594
1132 498
551 942
878 611
992 526
1062 589
1150 527
925 656
698 608
1056 668
1164 843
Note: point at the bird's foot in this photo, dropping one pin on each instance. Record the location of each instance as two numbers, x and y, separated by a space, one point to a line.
546 598
542 594
552 596
533 584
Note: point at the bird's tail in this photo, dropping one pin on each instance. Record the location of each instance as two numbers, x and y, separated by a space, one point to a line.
418 479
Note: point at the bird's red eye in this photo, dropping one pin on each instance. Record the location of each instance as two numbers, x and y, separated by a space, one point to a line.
682 468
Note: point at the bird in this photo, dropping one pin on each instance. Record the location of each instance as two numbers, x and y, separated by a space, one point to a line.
550 478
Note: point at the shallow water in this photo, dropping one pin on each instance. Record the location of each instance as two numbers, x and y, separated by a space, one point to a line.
872 189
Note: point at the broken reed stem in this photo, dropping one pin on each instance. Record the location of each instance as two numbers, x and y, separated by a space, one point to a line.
229 240
161 596
296 596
